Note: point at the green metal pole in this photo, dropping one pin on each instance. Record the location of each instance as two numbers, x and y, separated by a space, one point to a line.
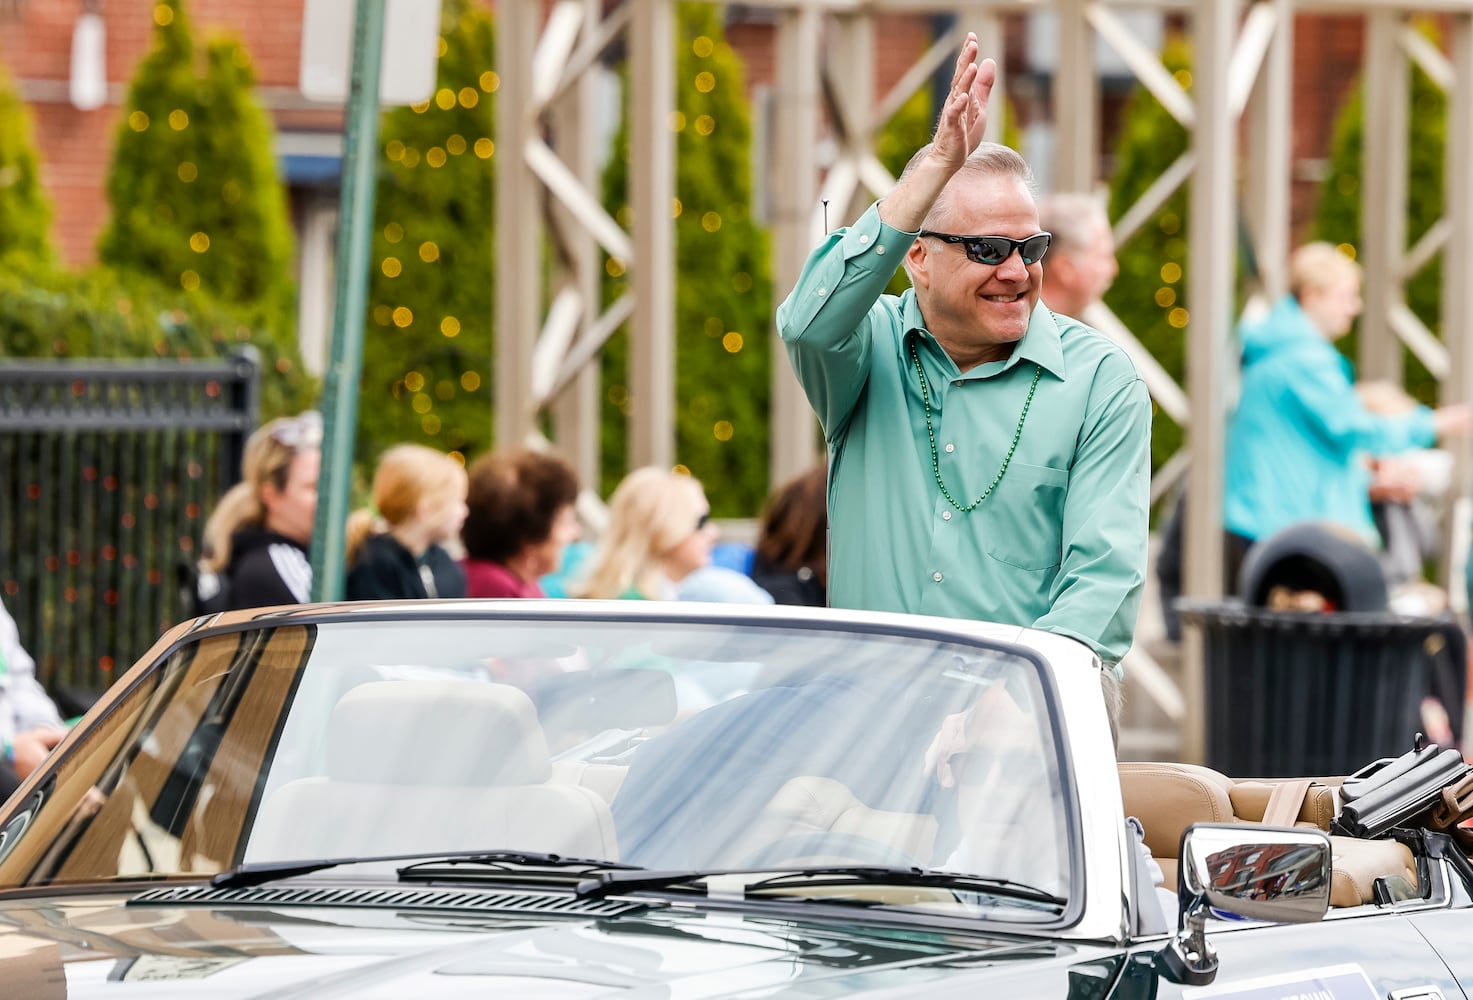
344 370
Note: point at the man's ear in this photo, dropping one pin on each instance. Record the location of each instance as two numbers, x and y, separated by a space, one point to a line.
1061 271
917 261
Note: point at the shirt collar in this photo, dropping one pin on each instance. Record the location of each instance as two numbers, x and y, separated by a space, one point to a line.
1042 344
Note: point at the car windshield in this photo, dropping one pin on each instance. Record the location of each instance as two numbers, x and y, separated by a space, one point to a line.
671 745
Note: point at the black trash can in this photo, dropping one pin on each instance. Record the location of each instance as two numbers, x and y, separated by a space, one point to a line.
1289 693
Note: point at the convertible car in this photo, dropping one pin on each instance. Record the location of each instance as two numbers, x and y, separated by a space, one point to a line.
641 800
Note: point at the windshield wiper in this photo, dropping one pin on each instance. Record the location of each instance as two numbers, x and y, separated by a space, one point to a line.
244 876
609 883
504 861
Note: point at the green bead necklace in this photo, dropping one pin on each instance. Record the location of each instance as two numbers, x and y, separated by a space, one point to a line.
931 434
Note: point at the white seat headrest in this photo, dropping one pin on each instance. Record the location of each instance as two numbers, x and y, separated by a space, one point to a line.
436 733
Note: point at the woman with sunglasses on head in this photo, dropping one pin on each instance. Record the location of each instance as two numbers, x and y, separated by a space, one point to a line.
989 459
659 532
257 538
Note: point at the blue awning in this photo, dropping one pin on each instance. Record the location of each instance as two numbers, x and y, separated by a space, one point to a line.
302 169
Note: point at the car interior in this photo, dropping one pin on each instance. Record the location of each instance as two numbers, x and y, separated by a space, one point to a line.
514 789
381 748
464 765
1167 798
519 794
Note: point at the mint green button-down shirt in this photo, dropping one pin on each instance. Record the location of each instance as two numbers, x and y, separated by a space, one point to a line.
1060 543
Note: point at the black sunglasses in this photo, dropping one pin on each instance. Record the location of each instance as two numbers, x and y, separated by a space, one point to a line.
993 250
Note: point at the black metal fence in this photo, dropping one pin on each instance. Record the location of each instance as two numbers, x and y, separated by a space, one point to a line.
107 474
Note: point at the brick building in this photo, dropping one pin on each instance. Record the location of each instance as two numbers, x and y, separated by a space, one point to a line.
75 145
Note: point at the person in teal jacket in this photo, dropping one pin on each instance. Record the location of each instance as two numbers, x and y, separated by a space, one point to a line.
1298 444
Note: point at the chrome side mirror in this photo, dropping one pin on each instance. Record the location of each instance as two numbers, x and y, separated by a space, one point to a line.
1276 874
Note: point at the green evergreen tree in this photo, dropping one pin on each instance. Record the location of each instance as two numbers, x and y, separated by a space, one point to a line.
1338 219
25 213
49 312
723 307
196 201
1149 292
908 130
428 344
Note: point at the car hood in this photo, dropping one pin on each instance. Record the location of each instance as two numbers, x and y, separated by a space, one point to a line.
99 946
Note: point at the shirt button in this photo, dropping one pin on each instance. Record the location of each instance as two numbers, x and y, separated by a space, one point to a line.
936 577
823 291
950 448
946 515
880 249
864 239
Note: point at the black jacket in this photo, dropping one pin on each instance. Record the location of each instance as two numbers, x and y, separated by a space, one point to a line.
265 569
789 586
385 570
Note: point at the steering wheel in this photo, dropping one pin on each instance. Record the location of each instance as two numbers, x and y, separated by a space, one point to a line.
824 848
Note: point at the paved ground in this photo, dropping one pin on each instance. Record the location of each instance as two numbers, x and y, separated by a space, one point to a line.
1148 731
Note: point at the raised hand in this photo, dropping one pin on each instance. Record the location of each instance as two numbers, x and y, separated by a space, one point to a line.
959 130
964 115
1453 421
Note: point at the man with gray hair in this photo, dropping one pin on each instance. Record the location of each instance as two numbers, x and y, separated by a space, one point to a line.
1081 259
988 459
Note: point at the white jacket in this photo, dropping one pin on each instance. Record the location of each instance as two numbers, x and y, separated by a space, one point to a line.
24 704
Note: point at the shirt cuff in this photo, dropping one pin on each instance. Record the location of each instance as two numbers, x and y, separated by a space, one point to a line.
1092 645
871 243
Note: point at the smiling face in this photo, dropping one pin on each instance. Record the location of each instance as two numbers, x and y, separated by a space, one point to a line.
975 311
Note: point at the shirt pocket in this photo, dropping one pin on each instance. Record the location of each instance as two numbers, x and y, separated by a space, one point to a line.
1026 526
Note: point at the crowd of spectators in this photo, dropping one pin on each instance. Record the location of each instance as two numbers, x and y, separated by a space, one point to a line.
506 527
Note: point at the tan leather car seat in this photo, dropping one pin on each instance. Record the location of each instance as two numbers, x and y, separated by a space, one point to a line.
815 805
432 766
1250 802
1356 864
1168 797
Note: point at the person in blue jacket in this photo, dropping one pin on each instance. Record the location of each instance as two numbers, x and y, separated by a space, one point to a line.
1299 443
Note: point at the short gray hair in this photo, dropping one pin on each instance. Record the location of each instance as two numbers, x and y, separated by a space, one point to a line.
1071 216
989 159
